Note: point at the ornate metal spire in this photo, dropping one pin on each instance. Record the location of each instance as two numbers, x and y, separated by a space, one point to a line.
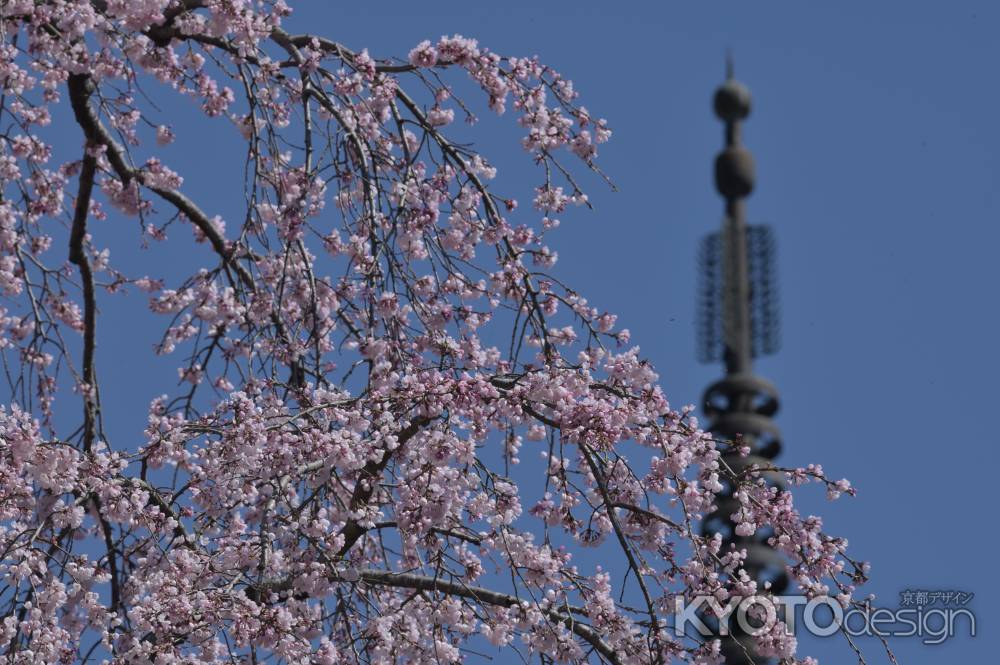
738 321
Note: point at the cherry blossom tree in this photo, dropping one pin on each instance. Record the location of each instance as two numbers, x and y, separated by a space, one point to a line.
377 341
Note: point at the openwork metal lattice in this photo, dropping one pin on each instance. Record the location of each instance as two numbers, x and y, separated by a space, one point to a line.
765 312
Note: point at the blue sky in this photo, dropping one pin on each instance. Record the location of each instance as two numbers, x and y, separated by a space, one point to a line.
878 158
878 155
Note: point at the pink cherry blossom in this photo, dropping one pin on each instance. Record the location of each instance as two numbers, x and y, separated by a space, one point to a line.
423 55
390 429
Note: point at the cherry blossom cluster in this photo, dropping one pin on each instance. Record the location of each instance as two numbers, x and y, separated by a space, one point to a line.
377 342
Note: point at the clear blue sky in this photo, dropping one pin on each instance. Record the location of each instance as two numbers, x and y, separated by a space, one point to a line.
878 151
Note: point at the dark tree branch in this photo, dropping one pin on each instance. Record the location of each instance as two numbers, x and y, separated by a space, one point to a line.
368 481
480 595
78 256
80 89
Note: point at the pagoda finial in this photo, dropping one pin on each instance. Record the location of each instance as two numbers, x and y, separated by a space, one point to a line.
738 322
